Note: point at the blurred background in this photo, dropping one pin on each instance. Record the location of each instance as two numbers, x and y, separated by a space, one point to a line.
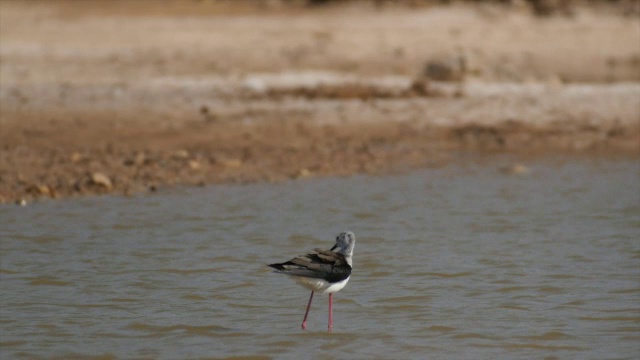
484 153
125 96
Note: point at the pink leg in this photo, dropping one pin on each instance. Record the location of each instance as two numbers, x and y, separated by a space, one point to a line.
304 322
330 311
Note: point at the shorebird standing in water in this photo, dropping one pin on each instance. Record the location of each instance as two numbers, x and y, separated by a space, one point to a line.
325 271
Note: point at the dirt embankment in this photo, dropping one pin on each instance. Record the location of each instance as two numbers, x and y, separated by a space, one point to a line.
105 98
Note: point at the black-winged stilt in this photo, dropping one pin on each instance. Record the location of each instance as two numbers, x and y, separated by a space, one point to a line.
325 271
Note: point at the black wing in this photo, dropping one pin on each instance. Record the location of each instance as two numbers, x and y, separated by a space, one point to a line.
324 264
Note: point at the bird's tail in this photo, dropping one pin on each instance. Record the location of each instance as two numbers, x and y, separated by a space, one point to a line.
278 267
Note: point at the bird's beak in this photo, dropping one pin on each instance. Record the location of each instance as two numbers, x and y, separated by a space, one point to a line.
334 246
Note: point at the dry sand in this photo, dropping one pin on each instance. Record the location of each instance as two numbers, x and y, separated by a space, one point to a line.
128 96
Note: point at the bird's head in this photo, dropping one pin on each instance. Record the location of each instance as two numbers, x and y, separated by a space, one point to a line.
345 242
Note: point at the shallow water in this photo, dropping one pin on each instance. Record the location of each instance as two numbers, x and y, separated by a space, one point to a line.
461 262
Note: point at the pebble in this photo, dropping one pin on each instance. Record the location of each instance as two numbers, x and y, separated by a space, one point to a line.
194 165
76 157
138 160
101 179
302 173
180 154
515 169
451 68
45 190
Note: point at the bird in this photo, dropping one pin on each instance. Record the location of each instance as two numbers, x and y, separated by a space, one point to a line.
324 271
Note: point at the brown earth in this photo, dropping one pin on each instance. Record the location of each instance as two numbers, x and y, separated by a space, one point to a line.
126 97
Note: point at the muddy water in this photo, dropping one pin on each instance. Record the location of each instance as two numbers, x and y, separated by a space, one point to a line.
461 262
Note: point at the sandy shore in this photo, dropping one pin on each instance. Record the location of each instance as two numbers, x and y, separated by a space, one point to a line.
114 97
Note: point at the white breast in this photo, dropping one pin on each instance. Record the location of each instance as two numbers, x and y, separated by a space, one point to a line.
321 286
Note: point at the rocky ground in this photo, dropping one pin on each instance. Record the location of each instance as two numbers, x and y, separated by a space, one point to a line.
131 96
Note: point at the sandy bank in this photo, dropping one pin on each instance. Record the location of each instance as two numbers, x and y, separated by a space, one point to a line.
95 101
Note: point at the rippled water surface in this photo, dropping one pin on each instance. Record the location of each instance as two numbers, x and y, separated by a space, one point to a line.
461 262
